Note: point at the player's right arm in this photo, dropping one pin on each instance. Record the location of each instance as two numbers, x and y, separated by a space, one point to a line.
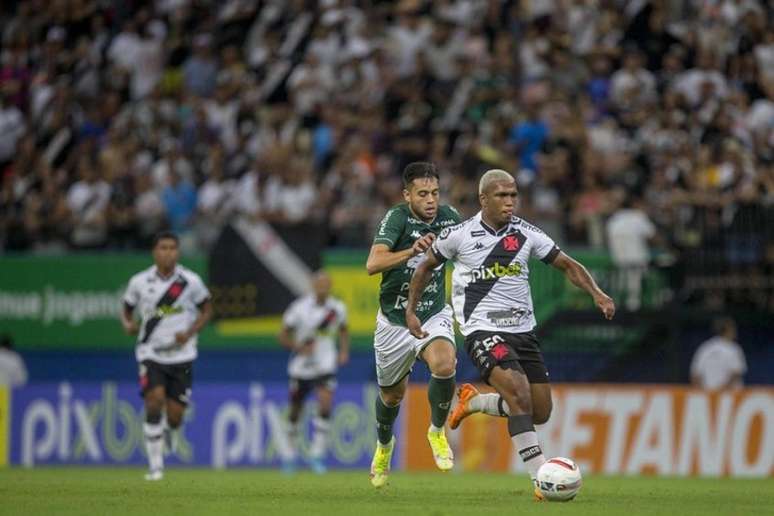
127 320
382 257
130 301
443 248
419 281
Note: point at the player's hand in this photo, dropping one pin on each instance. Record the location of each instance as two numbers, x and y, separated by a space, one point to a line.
422 244
606 304
182 337
343 357
131 328
414 326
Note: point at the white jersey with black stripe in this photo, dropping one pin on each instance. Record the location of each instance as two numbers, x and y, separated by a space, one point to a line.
317 325
490 287
166 306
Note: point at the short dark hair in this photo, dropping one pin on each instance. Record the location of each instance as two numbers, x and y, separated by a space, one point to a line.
6 342
419 170
723 324
164 235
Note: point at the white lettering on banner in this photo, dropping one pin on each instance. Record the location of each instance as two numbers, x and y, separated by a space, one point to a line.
621 407
256 444
20 305
701 438
661 430
755 406
231 414
575 403
87 431
65 393
654 442
67 429
39 412
52 305
78 306
247 431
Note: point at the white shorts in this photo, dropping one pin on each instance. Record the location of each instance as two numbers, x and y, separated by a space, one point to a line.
396 349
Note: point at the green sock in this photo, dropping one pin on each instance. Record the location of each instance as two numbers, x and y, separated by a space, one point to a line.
440 392
385 417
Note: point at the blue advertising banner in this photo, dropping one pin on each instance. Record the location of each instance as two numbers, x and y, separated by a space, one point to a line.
226 425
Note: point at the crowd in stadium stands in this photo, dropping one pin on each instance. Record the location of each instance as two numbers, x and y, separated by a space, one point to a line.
118 118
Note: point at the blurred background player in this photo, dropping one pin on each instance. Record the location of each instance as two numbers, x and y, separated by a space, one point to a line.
311 327
174 305
402 238
493 306
719 362
13 372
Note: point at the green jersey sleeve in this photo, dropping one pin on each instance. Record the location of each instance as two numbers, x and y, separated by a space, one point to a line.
390 228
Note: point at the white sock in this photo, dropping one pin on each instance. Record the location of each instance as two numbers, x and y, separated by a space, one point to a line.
492 404
154 445
320 439
527 445
434 428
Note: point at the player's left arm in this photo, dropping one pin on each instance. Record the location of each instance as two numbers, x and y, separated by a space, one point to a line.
580 277
343 345
205 314
344 340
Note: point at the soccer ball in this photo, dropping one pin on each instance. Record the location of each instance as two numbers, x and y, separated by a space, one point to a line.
559 479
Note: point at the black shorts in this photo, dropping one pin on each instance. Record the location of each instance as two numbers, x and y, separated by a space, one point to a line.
176 379
301 387
519 351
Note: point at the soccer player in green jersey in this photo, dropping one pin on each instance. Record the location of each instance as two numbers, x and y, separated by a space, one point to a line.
404 235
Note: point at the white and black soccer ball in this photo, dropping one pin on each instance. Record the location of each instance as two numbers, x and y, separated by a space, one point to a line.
559 479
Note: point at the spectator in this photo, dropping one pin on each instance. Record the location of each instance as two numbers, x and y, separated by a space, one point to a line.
149 208
88 201
683 117
629 231
13 372
12 128
179 198
290 196
719 362
528 137
200 71
214 204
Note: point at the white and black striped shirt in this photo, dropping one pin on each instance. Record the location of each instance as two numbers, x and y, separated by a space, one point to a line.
490 287
166 306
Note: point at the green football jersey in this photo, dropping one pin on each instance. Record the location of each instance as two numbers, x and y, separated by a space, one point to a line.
398 230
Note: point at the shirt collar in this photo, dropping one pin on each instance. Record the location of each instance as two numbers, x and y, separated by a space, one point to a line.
158 275
491 230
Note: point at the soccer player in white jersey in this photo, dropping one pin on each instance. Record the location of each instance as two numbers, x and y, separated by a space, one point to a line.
173 305
493 306
311 326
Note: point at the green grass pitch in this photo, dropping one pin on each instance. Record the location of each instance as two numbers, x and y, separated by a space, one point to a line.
60 491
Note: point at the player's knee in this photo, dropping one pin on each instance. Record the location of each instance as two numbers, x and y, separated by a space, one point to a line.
294 414
444 368
174 420
153 408
152 417
542 413
392 399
